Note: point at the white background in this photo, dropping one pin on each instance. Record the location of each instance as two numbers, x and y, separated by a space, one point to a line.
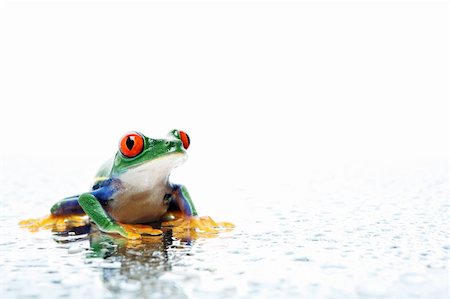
272 94
263 89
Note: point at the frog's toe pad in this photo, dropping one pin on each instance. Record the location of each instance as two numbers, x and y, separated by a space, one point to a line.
136 231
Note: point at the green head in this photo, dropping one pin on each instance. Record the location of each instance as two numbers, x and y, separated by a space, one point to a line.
136 149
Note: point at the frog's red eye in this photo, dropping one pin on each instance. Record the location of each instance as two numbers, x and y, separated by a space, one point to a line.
185 139
131 145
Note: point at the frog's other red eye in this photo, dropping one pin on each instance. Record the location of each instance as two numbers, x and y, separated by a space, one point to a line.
185 139
131 145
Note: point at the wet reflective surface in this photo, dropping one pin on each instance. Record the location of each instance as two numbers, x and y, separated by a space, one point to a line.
379 232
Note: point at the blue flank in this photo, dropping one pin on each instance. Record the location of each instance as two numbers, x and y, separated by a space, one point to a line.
181 201
67 206
104 191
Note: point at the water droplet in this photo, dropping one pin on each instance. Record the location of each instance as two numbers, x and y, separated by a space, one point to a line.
113 265
436 265
333 266
302 259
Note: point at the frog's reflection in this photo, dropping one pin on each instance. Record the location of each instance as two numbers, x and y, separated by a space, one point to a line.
105 245
134 265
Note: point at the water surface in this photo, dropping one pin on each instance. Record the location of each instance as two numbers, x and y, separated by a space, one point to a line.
352 233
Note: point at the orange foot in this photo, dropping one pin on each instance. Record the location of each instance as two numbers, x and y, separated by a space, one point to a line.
57 223
195 226
136 231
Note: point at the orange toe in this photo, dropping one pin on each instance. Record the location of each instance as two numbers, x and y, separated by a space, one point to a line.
58 223
140 229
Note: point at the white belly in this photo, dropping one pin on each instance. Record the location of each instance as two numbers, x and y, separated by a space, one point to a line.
139 207
141 198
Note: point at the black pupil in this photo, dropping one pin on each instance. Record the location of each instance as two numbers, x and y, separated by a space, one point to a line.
130 142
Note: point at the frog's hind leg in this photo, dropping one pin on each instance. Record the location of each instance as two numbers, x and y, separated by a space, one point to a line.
65 214
67 206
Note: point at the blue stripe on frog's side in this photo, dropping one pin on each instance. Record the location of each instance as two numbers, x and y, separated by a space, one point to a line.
67 206
182 199
103 191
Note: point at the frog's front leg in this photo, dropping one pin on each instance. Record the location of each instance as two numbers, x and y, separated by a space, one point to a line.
93 204
92 207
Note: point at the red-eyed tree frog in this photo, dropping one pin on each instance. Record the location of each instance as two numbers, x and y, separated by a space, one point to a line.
134 188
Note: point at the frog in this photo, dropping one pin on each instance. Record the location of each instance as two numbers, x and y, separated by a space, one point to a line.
132 188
